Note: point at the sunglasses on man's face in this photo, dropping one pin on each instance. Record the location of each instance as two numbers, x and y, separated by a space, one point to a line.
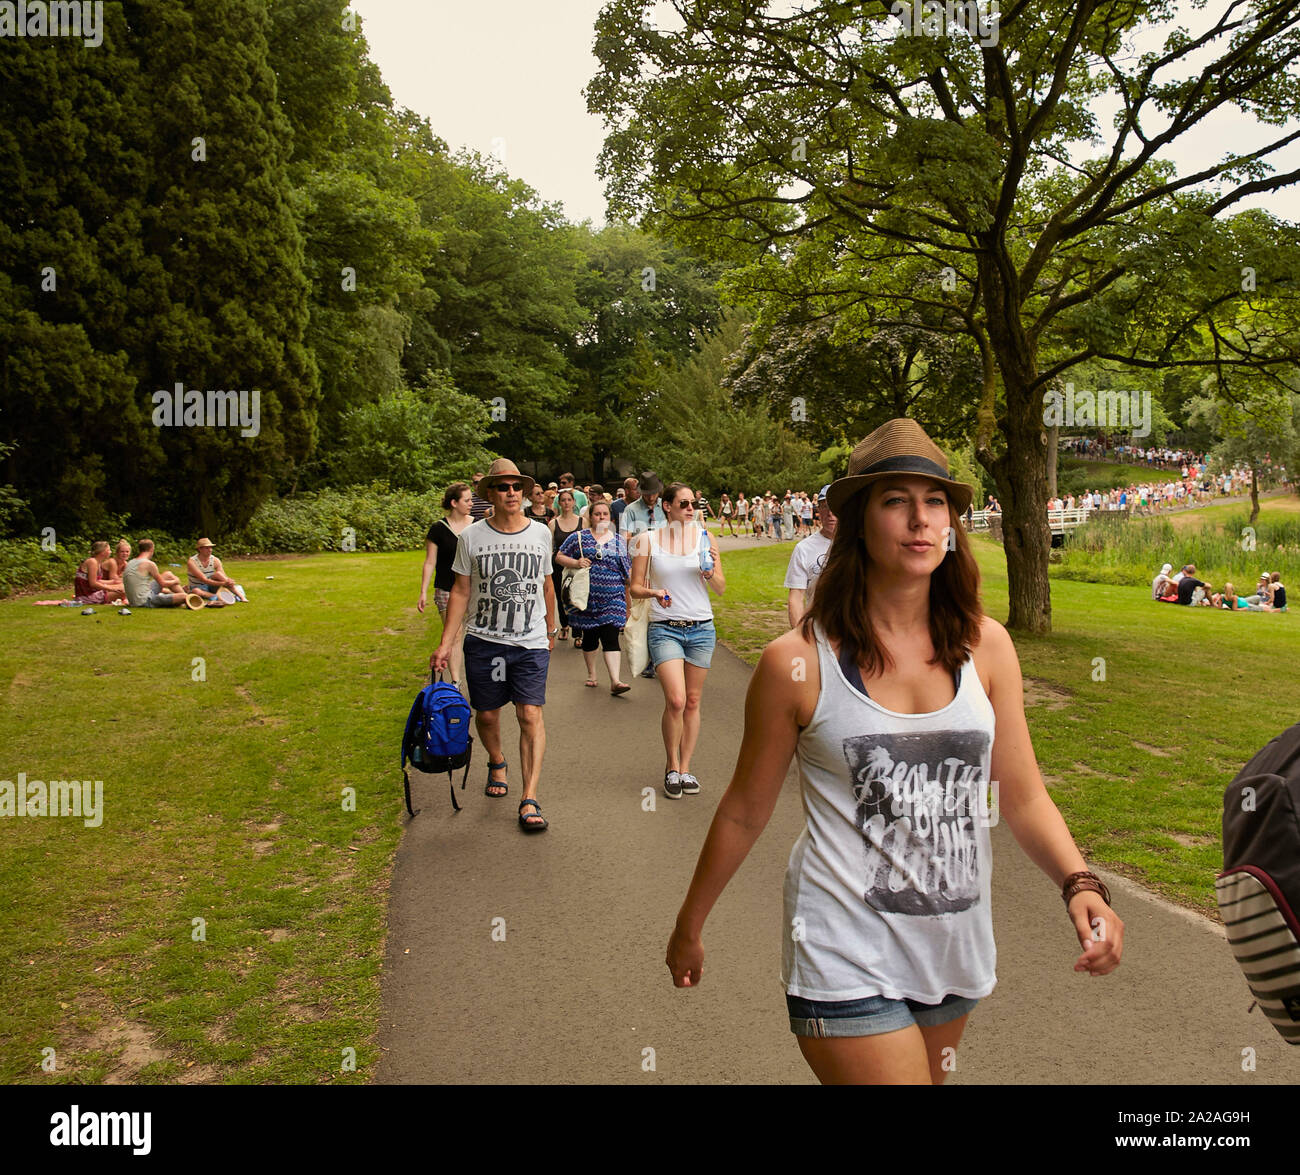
513 487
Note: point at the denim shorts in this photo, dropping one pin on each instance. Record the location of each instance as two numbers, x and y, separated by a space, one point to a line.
870 1016
667 642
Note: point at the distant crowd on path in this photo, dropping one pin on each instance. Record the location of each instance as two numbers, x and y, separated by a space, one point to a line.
109 576
1184 588
1157 456
792 516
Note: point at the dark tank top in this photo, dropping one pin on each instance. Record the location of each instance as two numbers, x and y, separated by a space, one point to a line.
558 535
853 675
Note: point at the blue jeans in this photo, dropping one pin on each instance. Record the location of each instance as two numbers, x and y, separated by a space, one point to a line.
667 642
870 1016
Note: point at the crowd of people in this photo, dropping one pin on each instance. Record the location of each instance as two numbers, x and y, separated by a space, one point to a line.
499 587
112 576
1156 456
1186 589
644 541
759 516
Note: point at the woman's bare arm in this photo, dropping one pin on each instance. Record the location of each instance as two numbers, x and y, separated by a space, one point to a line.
1033 818
775 701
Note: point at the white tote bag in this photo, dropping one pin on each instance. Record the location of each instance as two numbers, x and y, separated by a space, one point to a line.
575 584
636 633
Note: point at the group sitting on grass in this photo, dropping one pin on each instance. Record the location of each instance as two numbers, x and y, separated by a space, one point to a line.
1184 588
117 578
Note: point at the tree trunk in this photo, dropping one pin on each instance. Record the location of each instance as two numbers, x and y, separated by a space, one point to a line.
1021 475
1021 471
1254 490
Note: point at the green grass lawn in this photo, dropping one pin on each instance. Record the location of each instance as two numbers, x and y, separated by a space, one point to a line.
223 800
1137 762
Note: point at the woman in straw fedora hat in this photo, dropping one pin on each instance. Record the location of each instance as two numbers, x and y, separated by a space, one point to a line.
890 690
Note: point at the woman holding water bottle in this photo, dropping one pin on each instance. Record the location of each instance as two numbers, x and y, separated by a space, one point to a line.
683 564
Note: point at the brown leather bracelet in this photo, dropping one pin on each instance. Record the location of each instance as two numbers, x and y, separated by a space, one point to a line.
1084 882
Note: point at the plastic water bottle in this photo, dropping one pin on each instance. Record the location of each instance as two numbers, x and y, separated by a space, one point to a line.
706 554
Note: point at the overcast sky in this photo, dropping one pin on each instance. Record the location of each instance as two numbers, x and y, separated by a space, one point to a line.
505 77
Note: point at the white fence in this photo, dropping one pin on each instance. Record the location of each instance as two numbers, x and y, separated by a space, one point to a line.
1059 520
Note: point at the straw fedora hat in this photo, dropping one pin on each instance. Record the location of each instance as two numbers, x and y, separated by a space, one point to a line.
897 446
503 468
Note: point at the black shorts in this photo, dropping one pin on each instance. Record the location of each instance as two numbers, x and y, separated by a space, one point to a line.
606 636
497 674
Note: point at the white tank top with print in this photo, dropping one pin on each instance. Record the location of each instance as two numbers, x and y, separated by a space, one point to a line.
888 888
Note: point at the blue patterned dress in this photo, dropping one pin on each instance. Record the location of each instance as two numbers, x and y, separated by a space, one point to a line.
610 570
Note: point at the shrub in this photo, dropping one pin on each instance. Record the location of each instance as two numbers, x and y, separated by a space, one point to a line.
378 518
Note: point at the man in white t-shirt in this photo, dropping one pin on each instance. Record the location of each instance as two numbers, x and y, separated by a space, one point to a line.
806 563
505 594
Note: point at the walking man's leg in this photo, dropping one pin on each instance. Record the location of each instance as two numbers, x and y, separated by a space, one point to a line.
488 725
532 746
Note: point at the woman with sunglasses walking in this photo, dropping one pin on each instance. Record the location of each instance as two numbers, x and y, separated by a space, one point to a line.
683 564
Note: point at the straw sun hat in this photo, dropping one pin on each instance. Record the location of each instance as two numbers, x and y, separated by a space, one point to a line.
503 468
897 446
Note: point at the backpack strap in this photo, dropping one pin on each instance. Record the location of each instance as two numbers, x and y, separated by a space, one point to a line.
407 780
451 783
412 719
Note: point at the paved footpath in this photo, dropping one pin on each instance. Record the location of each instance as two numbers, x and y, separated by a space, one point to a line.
576 991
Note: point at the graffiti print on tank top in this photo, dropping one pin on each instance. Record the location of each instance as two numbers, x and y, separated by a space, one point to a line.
920 798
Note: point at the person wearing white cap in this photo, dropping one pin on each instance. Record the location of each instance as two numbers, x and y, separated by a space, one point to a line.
806 563
1162 585
902 704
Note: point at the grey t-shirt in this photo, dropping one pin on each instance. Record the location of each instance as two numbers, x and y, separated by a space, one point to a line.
507 601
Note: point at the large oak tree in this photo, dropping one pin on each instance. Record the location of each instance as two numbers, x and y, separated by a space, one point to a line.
972 175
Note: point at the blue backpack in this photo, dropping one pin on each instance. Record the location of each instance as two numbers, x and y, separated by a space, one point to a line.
437 736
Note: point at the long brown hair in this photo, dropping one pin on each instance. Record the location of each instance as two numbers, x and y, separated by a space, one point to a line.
840 598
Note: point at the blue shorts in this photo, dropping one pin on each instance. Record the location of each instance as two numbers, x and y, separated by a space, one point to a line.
497 674
870 1016
667 642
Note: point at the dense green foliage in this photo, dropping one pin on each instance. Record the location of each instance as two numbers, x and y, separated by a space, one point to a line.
362 518
224 197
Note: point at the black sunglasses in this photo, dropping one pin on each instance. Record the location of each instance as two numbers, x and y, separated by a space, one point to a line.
516 486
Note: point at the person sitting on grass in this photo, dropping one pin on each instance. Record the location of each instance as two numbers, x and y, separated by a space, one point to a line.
206 575
1277 592
166 590
1188 584
113 568
91 584
1162 585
